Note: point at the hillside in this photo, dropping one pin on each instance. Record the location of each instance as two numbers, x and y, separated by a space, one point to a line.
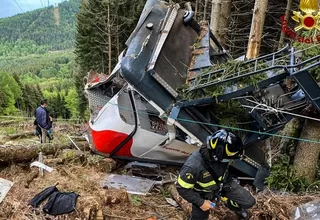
39 31
36 57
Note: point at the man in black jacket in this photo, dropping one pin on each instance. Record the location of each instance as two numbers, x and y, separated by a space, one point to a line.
204 177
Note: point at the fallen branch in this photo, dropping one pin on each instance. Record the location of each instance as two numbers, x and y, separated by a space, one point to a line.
20 135
33 174
186 206
31 133
25 153
4 123
53 161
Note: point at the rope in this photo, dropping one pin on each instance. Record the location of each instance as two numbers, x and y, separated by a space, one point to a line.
222 126
28 5
32 118
197 122
18 6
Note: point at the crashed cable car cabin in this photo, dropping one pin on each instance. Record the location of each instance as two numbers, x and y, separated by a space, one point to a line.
136 113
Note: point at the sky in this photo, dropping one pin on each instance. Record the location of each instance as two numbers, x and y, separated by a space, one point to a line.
9 8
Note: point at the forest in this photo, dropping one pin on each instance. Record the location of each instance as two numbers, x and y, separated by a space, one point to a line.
36 57
251 28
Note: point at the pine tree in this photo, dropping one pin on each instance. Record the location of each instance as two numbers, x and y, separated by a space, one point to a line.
103 27
83 49
19 99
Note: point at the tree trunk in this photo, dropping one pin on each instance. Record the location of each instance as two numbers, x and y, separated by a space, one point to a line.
292 129
34 173
109 41
186 206
20 135
307 154
259 14
286 18
196 9
205 9
224 21
19 153
215 18
116 34
4 123
220 12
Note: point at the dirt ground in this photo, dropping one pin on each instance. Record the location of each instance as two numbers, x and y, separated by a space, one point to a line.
86 179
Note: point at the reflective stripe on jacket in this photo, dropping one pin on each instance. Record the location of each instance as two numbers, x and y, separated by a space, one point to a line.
194 180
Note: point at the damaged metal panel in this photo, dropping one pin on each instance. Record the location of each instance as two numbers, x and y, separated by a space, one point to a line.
5 186
133 185
203 59
174 59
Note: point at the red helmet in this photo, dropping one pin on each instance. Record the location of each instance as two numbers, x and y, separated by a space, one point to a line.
224 145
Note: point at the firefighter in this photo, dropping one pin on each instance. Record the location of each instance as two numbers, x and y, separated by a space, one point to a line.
204 178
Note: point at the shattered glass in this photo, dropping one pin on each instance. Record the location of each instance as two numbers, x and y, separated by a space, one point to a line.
308 211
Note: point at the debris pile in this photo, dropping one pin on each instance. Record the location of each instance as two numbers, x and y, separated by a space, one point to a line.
94 188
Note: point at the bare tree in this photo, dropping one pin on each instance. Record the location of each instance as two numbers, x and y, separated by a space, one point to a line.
307 154
215 17
219 22
286 18
109 40
196 8
258 18
205 9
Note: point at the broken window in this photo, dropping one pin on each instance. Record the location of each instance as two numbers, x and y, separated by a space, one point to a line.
149 116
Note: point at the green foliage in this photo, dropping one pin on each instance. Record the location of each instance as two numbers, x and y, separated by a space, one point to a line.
228 68
8 130
165 192
9 92
97 35
34 67
31 96
135 200
72 103
37 49
50 73
283 177
39 31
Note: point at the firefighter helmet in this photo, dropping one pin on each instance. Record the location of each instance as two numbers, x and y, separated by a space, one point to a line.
224 145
